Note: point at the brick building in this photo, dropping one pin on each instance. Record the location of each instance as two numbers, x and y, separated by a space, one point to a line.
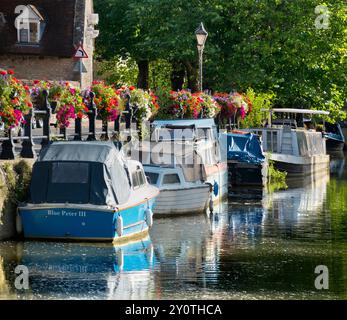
38 39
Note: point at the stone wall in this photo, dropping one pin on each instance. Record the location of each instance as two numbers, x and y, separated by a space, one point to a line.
14 182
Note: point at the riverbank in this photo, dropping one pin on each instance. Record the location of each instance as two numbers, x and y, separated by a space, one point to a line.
14 183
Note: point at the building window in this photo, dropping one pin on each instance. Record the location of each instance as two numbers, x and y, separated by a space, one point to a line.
30 24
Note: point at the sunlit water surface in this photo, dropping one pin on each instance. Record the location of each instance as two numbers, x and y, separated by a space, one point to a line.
265 249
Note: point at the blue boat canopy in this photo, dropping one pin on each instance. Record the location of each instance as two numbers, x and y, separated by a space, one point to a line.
244 148
80 173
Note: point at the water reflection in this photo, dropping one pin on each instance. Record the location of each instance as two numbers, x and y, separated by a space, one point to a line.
93 271
337 164
246 249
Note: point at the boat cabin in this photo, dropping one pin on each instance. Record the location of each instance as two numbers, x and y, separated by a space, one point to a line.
184 130
84 173
168 178
196 141
288 134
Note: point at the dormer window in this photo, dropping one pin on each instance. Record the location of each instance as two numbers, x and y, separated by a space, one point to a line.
30 25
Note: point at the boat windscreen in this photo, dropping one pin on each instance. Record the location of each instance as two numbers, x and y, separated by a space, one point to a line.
153 177
168 134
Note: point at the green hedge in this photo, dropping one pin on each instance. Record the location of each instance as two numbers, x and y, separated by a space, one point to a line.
14 186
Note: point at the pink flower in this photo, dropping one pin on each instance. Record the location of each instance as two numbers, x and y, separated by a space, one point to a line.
242 112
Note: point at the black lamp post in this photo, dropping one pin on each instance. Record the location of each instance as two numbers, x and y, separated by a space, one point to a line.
201 37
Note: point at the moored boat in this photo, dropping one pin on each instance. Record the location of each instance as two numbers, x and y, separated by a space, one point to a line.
178 196
335 140
247 165
87 191
184 161
294 148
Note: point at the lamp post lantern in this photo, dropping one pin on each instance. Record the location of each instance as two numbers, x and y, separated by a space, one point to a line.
201 37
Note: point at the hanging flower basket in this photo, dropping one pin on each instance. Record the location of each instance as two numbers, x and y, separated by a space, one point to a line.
66 101
108 102
15 100
145 103
234 106
185 105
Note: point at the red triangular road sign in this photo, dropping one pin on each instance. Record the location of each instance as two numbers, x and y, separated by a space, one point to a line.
80 53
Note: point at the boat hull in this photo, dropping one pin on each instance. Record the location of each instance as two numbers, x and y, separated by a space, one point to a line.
334 145
81 224
217 175
181 201
247 174
300 166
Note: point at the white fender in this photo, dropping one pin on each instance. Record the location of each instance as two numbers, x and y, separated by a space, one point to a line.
19 224
120 226
149 217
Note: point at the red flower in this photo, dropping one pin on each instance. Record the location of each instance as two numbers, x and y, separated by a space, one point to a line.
3 73
131 88
36 81
10 72
26 88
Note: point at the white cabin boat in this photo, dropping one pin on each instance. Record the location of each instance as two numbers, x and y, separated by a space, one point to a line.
177 196
294 148
183 159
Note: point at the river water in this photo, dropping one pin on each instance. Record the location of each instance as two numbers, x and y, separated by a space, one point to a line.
266 249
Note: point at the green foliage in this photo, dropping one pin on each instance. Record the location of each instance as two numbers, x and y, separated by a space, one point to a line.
14 185
276 179
268 45
159 74
259 101
18 176
118 71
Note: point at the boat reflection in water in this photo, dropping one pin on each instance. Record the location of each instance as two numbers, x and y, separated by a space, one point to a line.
272 247
90 271
337 164
288 207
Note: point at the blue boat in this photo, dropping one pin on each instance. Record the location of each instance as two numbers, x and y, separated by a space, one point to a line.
335 140
247 165
87 191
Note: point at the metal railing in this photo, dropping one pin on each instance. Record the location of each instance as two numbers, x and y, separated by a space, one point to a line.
27 148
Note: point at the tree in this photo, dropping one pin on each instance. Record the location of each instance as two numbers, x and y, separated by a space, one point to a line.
268 45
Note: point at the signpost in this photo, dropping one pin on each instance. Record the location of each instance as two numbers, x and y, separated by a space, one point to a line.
80 54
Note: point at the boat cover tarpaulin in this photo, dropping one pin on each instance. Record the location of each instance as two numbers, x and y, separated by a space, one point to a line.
80 173
244 148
